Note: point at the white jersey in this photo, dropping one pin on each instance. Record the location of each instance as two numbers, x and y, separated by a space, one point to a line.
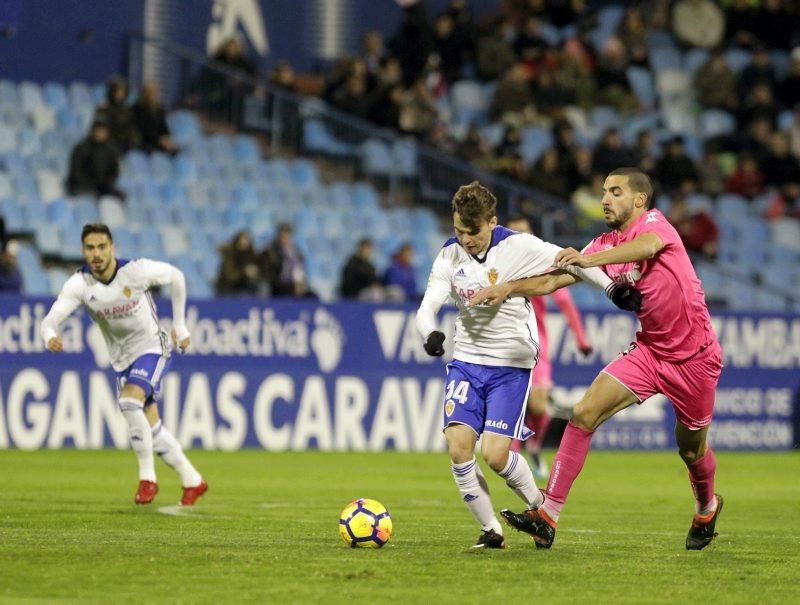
504 335
123 308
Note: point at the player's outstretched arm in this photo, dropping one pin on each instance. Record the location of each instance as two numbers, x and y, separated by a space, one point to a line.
436 294
180 333
645 246
537 285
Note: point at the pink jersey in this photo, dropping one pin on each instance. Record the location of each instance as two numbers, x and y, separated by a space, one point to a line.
674 316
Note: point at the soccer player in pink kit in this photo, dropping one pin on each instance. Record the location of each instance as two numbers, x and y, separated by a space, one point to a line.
538 418
676 352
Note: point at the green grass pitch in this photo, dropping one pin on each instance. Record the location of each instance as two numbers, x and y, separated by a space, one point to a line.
267 533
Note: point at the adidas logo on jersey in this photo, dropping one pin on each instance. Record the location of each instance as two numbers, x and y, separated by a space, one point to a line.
460 273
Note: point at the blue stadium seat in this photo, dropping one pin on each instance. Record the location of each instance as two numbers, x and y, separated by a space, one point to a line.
534 141
55 95
245 150
694 59
125 243
8 93
60 212
6 190
8 138
48 238
184 127
376 158
468 102
57 277
150 244
716 122
405 158
304 174
641 82
662 58
738 58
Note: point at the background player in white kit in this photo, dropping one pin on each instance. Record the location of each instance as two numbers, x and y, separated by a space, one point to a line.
116 294
495 347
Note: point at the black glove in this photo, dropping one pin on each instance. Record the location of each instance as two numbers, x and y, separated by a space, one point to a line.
434 345
586 351
625 297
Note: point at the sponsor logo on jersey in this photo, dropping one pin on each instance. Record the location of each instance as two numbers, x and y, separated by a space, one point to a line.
139 372
492 274
449 407
497 424
460 274
652 217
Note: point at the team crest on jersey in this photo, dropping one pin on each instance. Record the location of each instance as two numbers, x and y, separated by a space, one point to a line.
449 407
127 292
492 274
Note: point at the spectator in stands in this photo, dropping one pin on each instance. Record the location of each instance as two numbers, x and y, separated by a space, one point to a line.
777 26
697 229
94 164
387 95
747 179
789 90
586 200
699 23
712 177
646 151
548 175
578 167
760 71
359 276
150 119
794 133
464 28
632 32
352 97
239 271
10 276
449 47
283 76
220 84
611 153
413 42
675 166
575 73
284 267
511 95
740 24
612 77
115 112
2 233
760 103
493 52
400 278
780 166
373 52
715 83
417 110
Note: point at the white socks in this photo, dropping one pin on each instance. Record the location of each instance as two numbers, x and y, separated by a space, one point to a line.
141 437
519 477
475 493
166 446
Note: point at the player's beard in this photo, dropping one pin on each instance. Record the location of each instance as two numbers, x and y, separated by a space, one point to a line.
618 219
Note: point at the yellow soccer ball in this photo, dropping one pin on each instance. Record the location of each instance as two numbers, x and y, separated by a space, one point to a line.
365 523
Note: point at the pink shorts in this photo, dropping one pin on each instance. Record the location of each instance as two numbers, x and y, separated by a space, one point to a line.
690 385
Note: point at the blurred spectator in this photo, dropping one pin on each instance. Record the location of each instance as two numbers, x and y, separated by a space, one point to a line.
612 77
400 279
550 97
760 71
223 91
94 164
512 94
372 51
646 151
547 175
794 133
529 45
387 96
412 43
632 32
574 73
239 271
776 26
283 76
610 153
10 276
150 119
586 200
417 110
759 104
578 167
359 277
699 23
449 47
789 90
712 177
740 24
2 233
116 114
493 53
284 266
352 97
697 229
675 166
747 179
715 83
785 203
780 166
231 54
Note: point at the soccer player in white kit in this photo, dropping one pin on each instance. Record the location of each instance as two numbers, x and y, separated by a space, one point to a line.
116 294
495 348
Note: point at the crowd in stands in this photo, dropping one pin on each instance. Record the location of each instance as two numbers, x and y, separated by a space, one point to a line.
546 66
118 127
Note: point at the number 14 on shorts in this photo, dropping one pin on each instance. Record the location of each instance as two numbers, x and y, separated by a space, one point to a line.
457 390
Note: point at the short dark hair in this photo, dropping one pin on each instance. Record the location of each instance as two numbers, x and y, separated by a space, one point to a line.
90 228
474 204
638 180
